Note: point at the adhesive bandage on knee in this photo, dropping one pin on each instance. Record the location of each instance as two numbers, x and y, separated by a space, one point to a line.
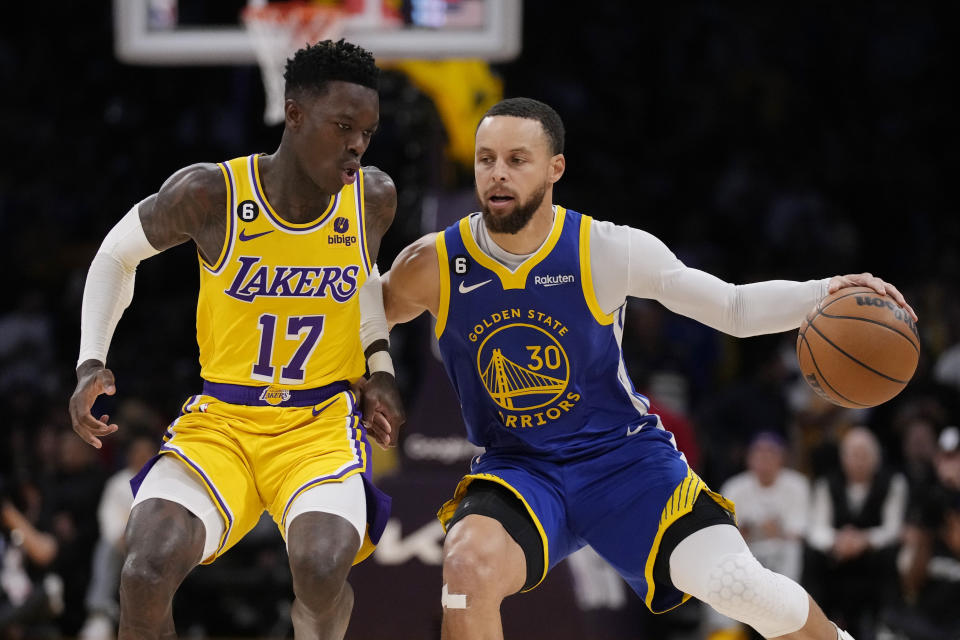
714 565
452 600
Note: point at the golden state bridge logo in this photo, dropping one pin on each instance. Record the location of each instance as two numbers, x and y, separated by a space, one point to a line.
524 367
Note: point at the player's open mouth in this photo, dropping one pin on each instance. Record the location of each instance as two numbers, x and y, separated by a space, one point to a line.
348 175
499 201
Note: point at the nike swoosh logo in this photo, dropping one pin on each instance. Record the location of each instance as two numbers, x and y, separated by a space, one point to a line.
635 430
244 237
318 410
464 289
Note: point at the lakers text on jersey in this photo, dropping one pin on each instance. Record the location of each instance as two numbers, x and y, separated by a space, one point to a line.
281 293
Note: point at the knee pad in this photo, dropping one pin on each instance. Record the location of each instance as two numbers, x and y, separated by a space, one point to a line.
739 587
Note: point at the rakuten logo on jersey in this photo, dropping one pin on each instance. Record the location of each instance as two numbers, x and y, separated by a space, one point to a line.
552 281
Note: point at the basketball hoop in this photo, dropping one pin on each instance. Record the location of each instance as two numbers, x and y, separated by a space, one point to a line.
277 30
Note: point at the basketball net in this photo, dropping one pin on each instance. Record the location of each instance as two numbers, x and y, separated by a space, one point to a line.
277 30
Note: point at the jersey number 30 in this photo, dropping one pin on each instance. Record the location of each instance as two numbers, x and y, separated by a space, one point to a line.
307 329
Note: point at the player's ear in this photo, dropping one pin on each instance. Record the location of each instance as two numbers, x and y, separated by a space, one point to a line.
293 114
558 165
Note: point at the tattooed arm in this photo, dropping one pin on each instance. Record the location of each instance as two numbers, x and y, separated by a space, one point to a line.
191 204
380 206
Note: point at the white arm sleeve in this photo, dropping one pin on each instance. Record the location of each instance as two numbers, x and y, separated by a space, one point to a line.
373 319
109 287
630 262
373 322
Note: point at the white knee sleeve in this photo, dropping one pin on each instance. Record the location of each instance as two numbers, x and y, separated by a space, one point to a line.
714 565
170 479
346 499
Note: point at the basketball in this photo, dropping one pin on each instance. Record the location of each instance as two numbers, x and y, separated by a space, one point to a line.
858 348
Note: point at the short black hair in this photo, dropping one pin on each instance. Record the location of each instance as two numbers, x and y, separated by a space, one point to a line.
316 64
534 110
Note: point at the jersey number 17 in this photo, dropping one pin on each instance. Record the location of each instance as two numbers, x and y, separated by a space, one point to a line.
307 329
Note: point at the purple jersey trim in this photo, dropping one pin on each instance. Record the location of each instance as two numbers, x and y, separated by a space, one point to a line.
262 199
225 510
255 396
361 222
231 202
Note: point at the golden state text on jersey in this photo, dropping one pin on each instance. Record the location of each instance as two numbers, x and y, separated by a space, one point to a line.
530 352
281 294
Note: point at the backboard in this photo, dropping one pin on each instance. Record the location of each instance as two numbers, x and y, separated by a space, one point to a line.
209 32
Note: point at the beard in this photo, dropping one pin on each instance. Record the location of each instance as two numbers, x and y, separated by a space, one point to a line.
515 220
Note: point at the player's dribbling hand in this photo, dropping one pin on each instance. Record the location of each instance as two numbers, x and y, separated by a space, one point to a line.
92 380
383 412
873 282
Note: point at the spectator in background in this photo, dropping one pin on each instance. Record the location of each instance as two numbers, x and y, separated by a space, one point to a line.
946 371
946 368
755 402
69 502
919 448
26 346
772 509
856 521
31 596
103 611
930 561
672 405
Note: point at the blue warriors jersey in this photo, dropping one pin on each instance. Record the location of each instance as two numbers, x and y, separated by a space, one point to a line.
535 361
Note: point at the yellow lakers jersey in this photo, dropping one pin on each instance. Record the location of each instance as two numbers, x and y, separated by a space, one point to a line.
280 305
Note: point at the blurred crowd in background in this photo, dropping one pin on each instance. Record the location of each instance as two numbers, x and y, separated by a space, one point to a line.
758 142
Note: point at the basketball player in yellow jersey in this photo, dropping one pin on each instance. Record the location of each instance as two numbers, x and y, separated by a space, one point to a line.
289 317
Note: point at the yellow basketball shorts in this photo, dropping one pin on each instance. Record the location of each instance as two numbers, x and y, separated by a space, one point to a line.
252 457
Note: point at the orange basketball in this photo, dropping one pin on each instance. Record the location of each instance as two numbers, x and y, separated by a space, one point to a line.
858 348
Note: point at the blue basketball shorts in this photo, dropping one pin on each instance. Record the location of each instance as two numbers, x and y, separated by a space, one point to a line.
620 501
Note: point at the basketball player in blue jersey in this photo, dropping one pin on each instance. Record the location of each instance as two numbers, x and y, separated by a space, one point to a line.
529 302
287 244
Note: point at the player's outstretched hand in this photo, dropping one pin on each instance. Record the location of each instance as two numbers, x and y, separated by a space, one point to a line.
383 412
92 380
873 282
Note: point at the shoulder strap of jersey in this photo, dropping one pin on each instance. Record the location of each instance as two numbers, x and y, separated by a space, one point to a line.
586 274
230 177
359 193
443 266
